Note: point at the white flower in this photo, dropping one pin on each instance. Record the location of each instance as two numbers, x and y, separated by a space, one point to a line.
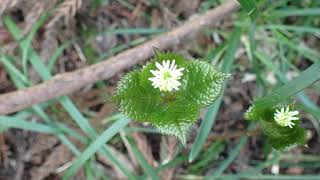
166 76
284 117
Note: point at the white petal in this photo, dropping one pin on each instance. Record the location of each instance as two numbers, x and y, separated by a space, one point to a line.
282 111
172 66
293 118
166 64
293 113
155 73
159 66
287 109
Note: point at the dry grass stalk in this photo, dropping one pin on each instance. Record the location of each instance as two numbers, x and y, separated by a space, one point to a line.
169 146
66 10
121 157
58 156
37 10
8 4
144 147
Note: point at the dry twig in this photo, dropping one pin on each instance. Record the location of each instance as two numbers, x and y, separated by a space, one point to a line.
67 83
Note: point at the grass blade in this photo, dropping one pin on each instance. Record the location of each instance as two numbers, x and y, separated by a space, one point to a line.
12 122
306 78
131 31
232 155
16 75
55 56
209 119
295 12
303 29
95 145
40 68
302 49
142 161
268 177
27 42
250 7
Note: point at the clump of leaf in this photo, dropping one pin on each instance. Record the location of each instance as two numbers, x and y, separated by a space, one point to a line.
281 138
171 112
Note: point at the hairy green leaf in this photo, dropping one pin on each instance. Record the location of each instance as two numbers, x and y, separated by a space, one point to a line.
283 138
178 130
171 112
135 101
204 84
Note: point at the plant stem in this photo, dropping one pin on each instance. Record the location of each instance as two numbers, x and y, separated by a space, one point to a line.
232 135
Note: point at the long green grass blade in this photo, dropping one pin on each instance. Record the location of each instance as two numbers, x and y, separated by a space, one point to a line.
232 155
16 75
303 29
142 161
173 163
130 31
306 78
40 68
207 158
121 48
209 118
95 145
28 41
82 122
250 7
296 12
268 177
55 56
302 49
12 122
302 97
61 136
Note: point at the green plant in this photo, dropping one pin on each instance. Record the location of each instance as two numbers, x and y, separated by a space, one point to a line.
169 98
282 129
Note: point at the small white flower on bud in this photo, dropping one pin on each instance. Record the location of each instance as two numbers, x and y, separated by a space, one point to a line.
284 117
166 76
